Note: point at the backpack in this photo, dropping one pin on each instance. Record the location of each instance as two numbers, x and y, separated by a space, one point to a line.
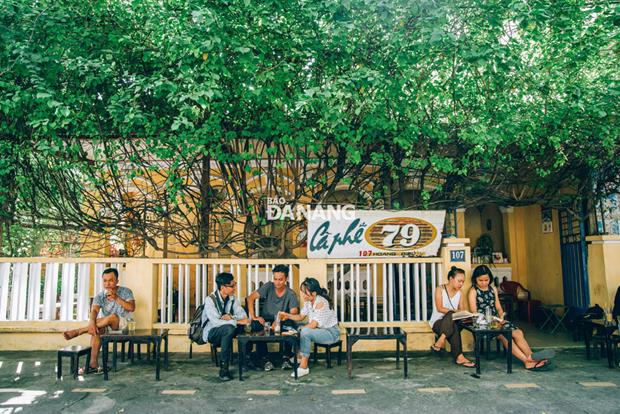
196 326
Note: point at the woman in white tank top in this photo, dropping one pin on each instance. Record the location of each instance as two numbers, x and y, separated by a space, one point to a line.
448 299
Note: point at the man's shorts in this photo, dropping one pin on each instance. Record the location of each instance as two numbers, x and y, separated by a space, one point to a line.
122 325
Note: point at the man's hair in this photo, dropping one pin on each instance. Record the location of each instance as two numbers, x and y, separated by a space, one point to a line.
281 269
110 270
223 278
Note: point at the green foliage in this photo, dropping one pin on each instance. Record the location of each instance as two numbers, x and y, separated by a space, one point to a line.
431 103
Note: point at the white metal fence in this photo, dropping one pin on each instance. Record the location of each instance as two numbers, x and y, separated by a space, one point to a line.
49 290
184 286
372 291
384 292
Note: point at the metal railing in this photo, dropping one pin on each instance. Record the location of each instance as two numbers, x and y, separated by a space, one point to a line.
384 292
48 290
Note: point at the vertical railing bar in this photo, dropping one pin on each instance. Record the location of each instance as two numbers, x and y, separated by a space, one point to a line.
375 293
169 289
162 293
256 286
424 291
5 270
368 305
408 288
342 288
416 290
198 285
187 294
239 284
335 287
180 292
384 283
391 291
401 297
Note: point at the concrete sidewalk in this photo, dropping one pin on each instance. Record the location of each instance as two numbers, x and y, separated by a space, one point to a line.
574 384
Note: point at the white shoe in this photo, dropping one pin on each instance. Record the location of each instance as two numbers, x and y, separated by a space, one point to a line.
301 372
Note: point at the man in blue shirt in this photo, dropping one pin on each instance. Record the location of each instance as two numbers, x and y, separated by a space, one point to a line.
223 313
110 310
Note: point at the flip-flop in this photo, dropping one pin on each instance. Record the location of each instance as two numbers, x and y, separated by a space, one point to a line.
540 366
468 364
543 354
90 370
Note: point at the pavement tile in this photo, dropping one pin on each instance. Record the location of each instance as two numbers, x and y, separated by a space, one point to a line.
349 392
263 392
518 386
433 390
594 384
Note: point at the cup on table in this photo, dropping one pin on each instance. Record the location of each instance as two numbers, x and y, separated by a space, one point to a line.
131 325
247 328
267 328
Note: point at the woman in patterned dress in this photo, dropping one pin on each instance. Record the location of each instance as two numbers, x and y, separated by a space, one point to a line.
483 295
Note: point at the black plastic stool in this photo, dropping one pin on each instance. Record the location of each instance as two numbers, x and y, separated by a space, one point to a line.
74 352
328 352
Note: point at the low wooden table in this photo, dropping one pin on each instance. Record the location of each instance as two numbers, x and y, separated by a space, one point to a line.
73 352
376 334
140 336
244 338
480 334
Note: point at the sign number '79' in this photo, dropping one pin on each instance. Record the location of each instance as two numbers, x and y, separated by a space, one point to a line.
409 233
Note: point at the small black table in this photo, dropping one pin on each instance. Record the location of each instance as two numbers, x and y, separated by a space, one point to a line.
480 334
140 336
382 333
605 329
244 338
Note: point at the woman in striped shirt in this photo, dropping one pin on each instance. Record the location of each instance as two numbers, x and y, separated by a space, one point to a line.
322 327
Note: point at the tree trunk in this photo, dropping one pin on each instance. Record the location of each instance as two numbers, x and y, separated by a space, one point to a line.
205 207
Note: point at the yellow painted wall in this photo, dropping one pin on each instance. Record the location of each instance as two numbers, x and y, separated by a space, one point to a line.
603 269
537 254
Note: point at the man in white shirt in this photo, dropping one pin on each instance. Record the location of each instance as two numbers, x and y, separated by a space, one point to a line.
223 313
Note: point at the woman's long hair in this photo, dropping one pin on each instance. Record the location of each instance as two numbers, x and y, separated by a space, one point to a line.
313 285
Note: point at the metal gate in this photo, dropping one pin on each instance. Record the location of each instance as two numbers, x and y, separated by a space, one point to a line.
574 260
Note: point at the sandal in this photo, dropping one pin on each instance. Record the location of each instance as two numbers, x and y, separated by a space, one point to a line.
466 364
90 370
540 366
435 350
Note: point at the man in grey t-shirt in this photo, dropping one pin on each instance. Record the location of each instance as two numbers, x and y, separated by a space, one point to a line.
274 297
110 310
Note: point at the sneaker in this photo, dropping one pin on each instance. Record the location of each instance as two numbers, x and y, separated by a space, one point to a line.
301 372
268 366
286 364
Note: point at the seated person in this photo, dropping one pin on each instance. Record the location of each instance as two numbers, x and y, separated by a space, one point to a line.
223 313
483 296
114 304
275 297
448 299
322 327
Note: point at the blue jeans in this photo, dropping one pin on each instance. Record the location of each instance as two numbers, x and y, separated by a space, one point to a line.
317 335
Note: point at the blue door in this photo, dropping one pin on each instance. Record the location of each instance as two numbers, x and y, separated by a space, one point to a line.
574 260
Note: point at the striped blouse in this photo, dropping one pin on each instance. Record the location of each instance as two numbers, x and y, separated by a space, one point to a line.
325 317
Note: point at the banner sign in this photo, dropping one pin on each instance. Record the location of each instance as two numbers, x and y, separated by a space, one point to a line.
376 233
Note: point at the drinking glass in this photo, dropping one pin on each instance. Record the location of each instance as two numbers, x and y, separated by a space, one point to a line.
267 328
488 315
131 325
